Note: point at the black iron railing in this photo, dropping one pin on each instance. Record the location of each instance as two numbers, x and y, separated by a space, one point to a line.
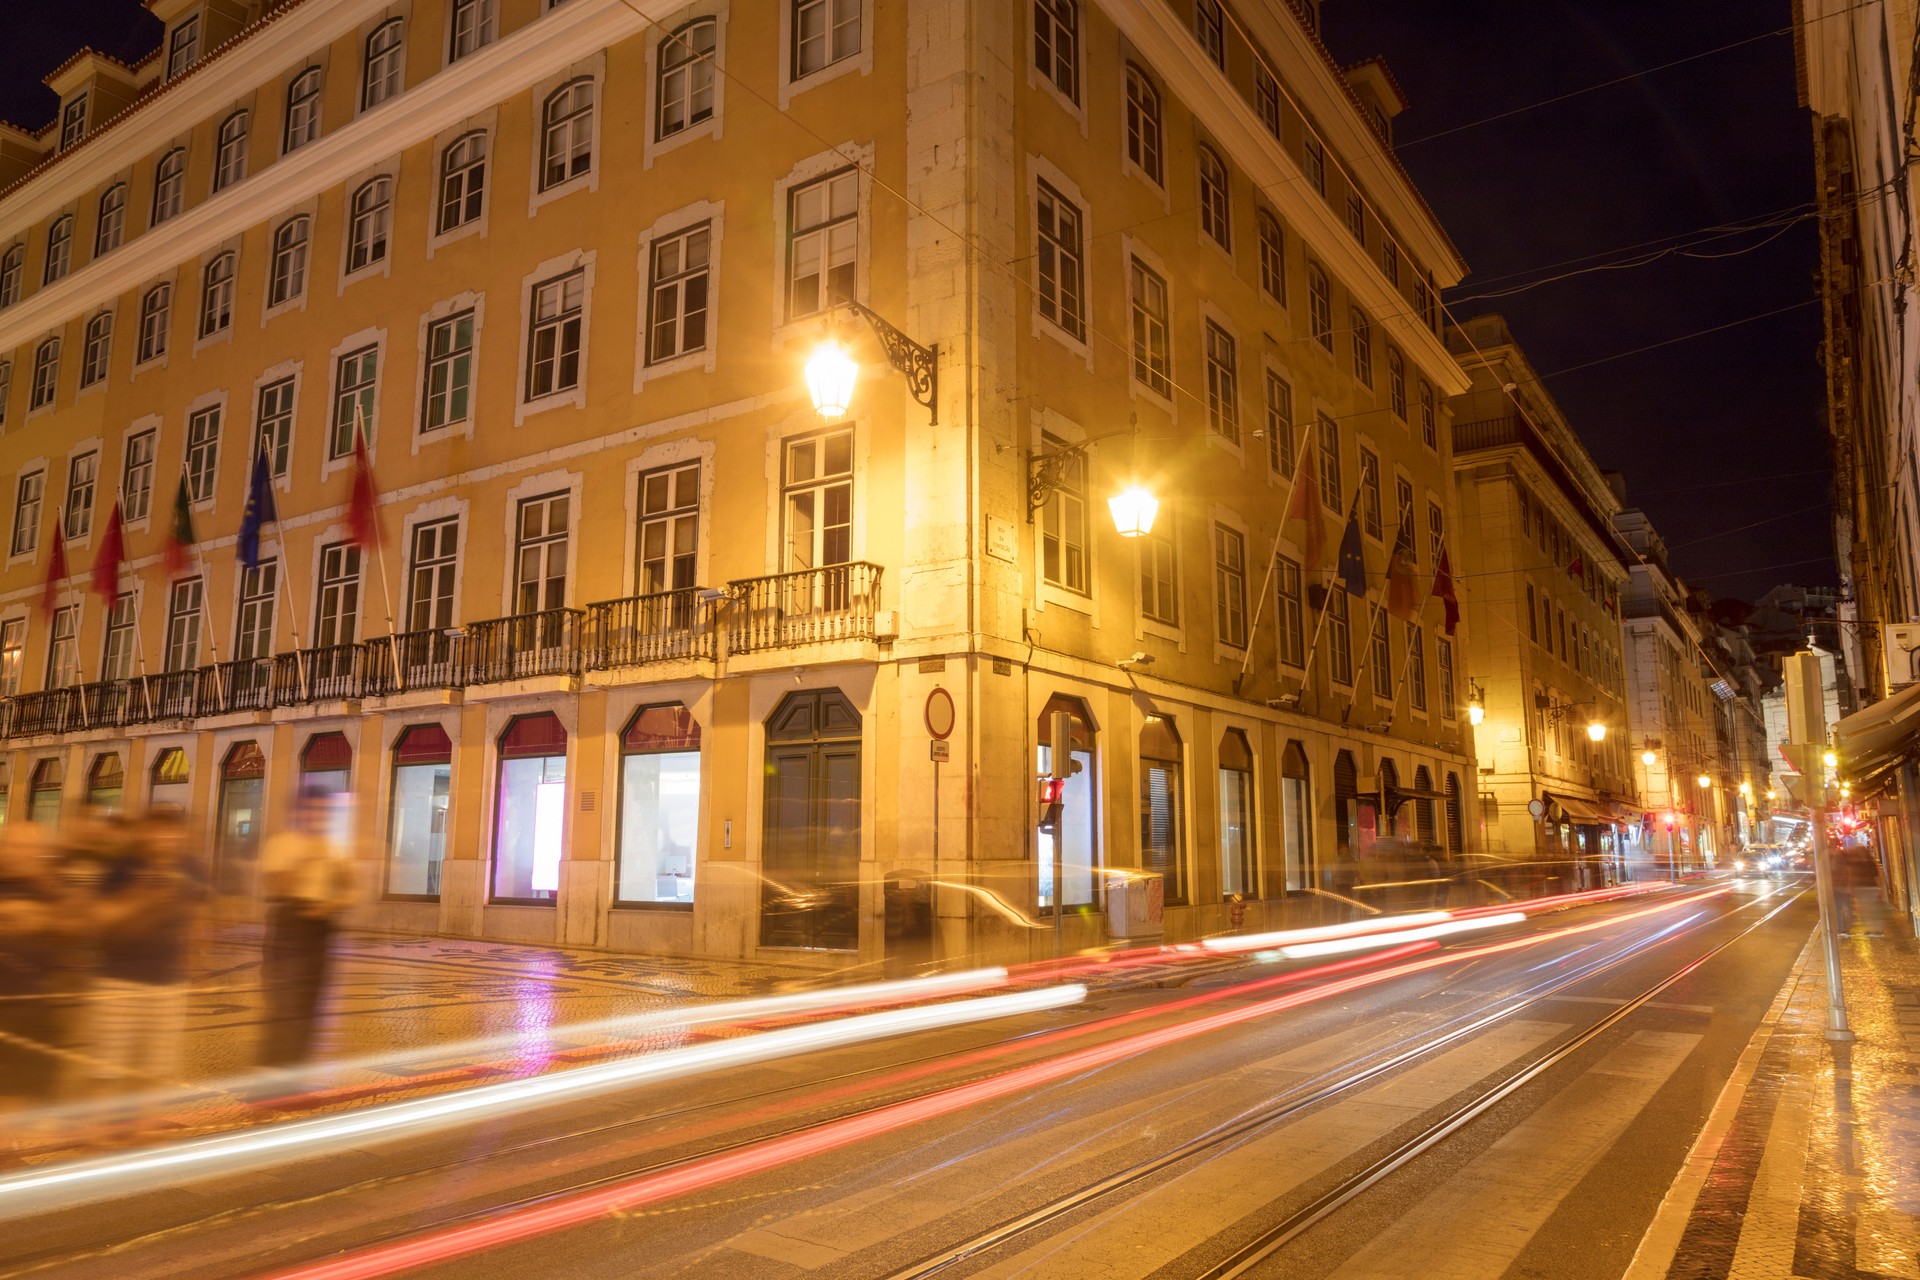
809 606
333 672
169 695
659 627
414 660
243 684
524 645
44 711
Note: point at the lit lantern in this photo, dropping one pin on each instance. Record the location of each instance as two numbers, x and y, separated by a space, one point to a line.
1831 760
830 374
1133 511
1597 730
1704 781
1476 710
1648 756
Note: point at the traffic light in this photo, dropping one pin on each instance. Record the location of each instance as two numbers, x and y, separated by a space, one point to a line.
1053 793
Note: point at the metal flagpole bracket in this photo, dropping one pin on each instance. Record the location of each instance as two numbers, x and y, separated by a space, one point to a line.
919 365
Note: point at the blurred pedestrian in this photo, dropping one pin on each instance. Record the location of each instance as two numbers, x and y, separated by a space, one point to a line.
308 876
1856 882
38 927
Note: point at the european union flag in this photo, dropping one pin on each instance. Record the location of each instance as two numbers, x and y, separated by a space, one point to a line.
1352 570
259 511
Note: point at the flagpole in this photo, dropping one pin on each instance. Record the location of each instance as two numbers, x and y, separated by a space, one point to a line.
379 552
79 671
1366 668
280 585
1273 557
1326 602
139 641
206 609
1406 665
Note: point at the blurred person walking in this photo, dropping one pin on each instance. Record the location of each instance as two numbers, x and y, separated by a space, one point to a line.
39 925
308 876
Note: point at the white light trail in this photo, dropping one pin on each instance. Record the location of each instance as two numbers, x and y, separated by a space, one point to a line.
1341 946
1269 941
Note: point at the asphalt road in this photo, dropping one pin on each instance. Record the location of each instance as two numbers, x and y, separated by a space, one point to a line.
1231 1115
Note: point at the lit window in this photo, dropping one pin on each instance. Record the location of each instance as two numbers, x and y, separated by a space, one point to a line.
386 55
823 238
303 109
288 278
659 806
1163 827
530 817
1056 44
566 147
422 791
1059 267
463 181
824 32
371 221
677 294
686 77
553 336
1238 864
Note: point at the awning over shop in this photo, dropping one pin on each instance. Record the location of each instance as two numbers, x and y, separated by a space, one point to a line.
1578 811
1882 734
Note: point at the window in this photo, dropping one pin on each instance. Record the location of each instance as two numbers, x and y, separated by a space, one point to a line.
686 78
95 351
1296 818
63 648
530 814
203 452
253 622
1273 258
303 110
1370 493
1362 347
59 249
371 221
385 62
1152 360
1331 487
112 227
337 605
136 476
1279 425
183 625
183 48
1443 669
1436 530
1210 28
1238 869
1159 574
46 374
473 26
1315 163
273 424
1397 383
1063 526
422 788
216 296
83 478
669 534
169 185
566 139
1266 97
1216 214
12 268
288 278
1403 515
817 500
1416 667
1339 638
540 554
1056 41
1230 585
449 388
553 336
1390 260
823 235
1223 384
1381 659
156 307
6 387
824 32
810 844
28 494
659 806
677 294
1357 217
1319 306
230 154
1060 266
1162 804
73 120
1143 124
463 181
13 655
1074 839
1429 431
355 379
43 805
1292 629
434 557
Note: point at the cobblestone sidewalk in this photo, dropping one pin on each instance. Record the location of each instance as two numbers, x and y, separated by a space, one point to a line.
1810 1163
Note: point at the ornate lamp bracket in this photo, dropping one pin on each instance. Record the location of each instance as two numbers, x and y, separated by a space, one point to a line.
919 365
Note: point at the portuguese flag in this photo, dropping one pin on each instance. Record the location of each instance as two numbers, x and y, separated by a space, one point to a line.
180 531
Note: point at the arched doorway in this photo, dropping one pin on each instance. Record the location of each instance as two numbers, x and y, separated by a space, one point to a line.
1078 833
243 781
810 853
1296 817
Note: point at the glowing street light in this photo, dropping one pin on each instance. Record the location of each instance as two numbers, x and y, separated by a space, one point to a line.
1133 510
1476 703
1704 781
1597 730
1648 756
1831 760
830 377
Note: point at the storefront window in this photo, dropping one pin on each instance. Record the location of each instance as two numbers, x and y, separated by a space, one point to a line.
1296 817
1237 872
422 783
1162 818
106 782
43 798
326 769
659 806
168 788
529 825
6 789
243 778
1079 851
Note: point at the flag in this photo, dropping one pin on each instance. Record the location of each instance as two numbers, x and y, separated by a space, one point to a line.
112 554
180 537
363 514
1352 569
56 570
1305 507
1443 591
1578 569
259 511
1403 585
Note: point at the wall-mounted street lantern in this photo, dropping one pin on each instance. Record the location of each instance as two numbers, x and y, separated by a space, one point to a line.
1476 703
1133 509
1556 711
831 372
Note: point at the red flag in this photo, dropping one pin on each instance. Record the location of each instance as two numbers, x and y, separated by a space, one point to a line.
363 516
1305 507
1578 569
1443 591
1403 585
112 554
56 571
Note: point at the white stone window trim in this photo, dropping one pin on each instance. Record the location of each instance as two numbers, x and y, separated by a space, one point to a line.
1269 364
1364 443
1225 252
487 124
144 423
1047 422
295 369
594 69
205 400
572 483
1229 518
1159 186
63 357
705 360
1041 82
658 457
797 425
1236 448
584 261
442 310
225 333
696 696
1144 626
433 512
376 338
714 126
310 210
1130 249
98 515
1040 169
804 331
98 385
27 468
383 265
172 280
270 550
861 62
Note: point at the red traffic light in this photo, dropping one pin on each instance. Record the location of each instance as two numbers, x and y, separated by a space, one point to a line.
1052 790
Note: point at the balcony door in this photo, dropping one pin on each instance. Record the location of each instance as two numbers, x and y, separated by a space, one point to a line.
668 551
434 555
817 520
540 572
810 857
336 622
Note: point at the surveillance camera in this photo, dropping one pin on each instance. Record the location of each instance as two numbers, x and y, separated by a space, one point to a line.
1142 659
1284 701
709 595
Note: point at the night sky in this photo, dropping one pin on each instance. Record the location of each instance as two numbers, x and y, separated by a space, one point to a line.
1714 432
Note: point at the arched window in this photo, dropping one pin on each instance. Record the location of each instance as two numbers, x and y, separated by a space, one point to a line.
288 278
463 181
59 248
169 185
112 227
46 373
43 791
326 764
303 110
1319 306
686 77
1163 833
1296 818
566 139
242 797
1239 860
473 26
107 782
1074 840
1216 218
1391 824
1144 146
372 219
1346 796
810 850
12 268
167 784
659 806
230 155
422 787
216 295
1362 347
530 812
385 56
98 346
156 309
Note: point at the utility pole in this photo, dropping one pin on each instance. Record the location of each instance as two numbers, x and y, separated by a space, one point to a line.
1807 728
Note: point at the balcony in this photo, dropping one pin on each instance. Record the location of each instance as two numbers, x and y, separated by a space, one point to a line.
523 646
809 606
413 660
245 684
329 673
662 627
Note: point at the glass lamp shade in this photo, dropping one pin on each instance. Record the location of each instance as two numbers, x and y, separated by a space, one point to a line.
1133 511
1647 758
1597 731
830 374
1704 780
1476 712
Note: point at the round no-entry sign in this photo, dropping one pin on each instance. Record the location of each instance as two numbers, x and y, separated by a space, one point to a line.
939 714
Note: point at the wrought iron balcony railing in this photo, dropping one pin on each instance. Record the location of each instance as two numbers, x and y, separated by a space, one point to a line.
808 606
660 627
524 645
414 660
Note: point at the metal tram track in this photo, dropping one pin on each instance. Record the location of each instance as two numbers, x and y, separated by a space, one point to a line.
1277 1237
